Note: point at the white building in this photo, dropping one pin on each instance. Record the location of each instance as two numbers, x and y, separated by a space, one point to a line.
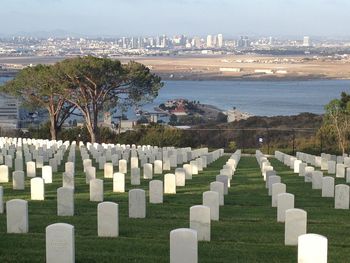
9 112
209 41
306 41
220 41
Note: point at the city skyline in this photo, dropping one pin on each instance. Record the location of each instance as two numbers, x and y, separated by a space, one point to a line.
190 17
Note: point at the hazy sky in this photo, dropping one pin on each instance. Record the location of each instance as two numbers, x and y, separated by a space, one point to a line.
191 17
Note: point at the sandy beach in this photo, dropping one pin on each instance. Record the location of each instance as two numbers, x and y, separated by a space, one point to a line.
227 67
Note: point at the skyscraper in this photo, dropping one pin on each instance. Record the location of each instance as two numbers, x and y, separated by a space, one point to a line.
306 41
220 41
209 41
197 42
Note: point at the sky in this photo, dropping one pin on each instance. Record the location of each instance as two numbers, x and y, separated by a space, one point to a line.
326 18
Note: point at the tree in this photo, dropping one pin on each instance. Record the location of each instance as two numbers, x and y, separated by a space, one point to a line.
173 119
42 87
97 84
338 118
221 117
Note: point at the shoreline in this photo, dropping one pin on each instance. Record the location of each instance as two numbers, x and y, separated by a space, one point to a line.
11 74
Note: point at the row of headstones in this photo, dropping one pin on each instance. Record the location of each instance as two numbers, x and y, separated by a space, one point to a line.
65 194
149 169
324 160
311 247
18 177
108 221
51 155
171 181
337 165
340 192
113 153
184 241
173 161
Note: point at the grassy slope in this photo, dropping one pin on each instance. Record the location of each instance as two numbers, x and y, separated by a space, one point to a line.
247 230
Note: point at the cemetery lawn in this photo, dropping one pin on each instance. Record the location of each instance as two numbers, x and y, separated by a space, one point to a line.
247 230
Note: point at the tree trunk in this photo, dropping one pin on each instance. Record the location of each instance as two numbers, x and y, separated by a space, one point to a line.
95 125
53 128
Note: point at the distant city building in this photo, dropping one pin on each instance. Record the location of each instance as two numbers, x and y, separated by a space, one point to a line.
306 41
243 42
197 43
9 112
209 41
220 41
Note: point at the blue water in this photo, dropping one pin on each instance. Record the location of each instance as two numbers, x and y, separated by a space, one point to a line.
263 98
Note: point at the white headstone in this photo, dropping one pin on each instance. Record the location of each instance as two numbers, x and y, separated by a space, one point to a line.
68 180
225 180
219 188
308 174
317 178
156 192
285 201
65 201
47 174
295 225
119 183
147 171
341 198
69 167
18 180
331 167
90 173
31 169
169 184
272 180
134 162
200 221
108 170
183 246
107 219
211 200
194 167
312 248
37 190
340 173
96 190
60 243
277 188
328 186
123 166
19 164
180 176
137 203
135 174
188 171
17 216
158 167
4 174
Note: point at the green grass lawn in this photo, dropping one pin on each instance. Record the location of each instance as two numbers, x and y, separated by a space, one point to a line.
247 230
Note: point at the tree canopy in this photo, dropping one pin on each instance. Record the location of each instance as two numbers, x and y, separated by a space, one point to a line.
89 84
41 87
337 117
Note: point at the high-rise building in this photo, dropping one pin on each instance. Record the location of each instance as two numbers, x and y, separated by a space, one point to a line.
197 42
209 41
124 42
220 41
9 111
306 41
